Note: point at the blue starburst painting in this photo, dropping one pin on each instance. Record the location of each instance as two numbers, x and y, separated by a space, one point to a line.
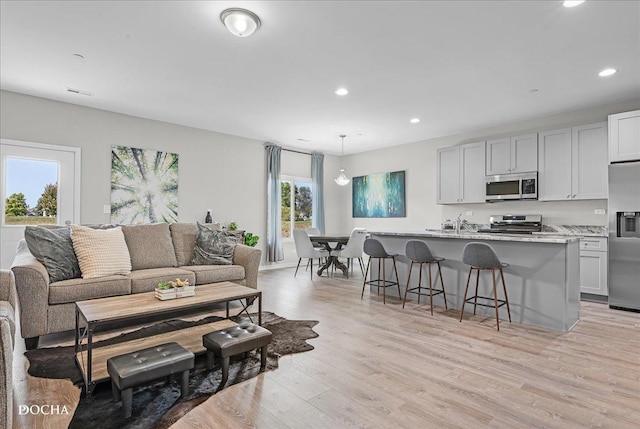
379 195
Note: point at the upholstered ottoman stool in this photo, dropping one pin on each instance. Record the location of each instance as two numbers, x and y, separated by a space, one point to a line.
232 341
136 368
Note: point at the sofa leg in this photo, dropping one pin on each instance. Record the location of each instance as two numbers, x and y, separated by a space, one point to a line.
31 343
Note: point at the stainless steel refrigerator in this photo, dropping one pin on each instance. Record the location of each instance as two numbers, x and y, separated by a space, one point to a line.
624 235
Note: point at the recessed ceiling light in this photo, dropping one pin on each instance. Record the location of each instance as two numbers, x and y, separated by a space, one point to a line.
341 91
414 120
607 72
572 3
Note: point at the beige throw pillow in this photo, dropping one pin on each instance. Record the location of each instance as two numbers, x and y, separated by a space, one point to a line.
100 252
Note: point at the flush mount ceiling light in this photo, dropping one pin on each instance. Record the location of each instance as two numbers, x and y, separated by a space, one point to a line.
342 179
341 91
572 3
240 22
414 120
607 72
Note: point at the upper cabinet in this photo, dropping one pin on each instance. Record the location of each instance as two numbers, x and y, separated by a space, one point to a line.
512 155
460 174
573 163
624 136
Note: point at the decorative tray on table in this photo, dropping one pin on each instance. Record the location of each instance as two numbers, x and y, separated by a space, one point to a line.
174 289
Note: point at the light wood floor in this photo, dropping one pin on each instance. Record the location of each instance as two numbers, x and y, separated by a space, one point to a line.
377 366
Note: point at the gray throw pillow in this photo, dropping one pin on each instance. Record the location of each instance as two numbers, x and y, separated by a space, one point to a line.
54 249
213 247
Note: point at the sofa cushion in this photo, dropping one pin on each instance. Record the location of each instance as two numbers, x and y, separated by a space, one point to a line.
53 248
147 280
216 273
100 252
144 255
184 236
73 290
213 247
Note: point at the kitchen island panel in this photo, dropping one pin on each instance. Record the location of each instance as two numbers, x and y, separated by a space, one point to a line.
543 279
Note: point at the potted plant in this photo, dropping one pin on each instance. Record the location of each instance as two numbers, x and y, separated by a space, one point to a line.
174 289
250 239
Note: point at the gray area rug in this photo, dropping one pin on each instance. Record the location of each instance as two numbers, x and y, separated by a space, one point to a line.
158 405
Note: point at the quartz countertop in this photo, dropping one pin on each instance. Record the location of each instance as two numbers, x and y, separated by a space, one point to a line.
573 230
472 235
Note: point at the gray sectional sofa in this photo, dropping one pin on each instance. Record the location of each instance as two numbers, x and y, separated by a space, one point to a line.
159 253
7 339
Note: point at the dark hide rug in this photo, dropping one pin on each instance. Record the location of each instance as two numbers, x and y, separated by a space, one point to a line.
158 405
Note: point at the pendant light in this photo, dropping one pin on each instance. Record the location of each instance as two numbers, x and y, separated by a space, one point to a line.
342 179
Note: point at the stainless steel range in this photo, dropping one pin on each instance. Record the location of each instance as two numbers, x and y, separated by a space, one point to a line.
514 224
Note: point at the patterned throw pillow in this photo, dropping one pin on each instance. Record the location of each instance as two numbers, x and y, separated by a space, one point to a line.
54 249
100 252
213 247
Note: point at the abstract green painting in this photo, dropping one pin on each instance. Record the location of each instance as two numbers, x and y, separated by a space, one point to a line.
379 195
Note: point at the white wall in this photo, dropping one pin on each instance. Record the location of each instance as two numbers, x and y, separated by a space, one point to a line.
217 171
419 162
226 173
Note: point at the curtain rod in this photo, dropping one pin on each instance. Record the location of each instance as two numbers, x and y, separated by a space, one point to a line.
297 151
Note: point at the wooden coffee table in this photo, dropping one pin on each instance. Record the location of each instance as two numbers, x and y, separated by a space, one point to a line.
128 308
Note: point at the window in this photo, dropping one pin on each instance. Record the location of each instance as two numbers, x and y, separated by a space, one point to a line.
296 204
31 192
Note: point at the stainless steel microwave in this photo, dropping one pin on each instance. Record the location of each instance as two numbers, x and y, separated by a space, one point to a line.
523 186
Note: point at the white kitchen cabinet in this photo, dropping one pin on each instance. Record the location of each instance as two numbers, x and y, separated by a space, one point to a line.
573 163
593 265
517 154
448 175
460 174
624 136
589 170
554 155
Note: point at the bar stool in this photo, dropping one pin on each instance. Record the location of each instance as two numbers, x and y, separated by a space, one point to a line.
419 253
481 256
376 250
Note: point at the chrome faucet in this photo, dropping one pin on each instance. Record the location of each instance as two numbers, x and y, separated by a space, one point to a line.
458 223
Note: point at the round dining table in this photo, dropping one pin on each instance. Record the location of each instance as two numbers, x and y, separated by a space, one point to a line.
331 242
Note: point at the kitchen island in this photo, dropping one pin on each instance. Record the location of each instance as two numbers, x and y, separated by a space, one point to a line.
543 277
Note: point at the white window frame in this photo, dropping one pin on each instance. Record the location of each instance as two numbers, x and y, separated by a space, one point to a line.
77 153
293 179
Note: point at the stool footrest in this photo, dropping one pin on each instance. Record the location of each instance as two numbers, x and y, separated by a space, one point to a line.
435 291
380 283
501 302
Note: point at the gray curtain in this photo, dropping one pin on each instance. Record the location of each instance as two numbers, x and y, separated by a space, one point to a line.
317 176
274 240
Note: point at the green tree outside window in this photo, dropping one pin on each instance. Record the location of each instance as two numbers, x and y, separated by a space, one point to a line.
16 205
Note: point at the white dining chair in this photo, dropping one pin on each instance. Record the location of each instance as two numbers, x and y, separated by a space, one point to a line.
353 249
314 231
305 249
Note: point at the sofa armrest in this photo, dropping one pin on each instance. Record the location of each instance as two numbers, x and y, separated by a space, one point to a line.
32 286
8 287
249 258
